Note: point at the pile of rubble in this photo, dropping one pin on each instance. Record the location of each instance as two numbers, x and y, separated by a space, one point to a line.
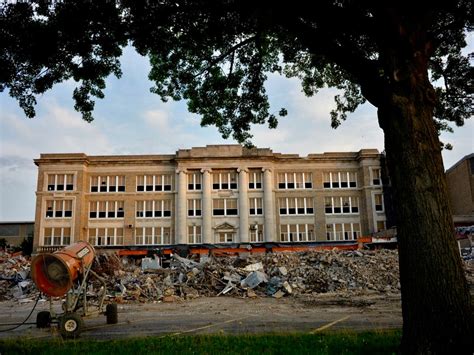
256 275
274 275
15 279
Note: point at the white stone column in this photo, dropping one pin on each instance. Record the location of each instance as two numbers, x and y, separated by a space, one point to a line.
268 206
181 208
207 236
243 205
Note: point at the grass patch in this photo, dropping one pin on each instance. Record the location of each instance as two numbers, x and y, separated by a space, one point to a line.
375 342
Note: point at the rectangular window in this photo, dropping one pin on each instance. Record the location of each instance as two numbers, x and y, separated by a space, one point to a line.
295 180
255 179
339 180
341 205
57 236
153 209
154 183
194 234
378 200
106 209
110 183
224 207
194 208
296 205
297 233
381 226
226 237
60 182
342 231
256 206
194 181
106 236
224 180
376 176
256 233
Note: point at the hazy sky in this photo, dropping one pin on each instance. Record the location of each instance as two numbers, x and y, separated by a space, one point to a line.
131 120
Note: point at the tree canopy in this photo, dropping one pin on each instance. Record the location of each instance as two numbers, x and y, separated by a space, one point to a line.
217 55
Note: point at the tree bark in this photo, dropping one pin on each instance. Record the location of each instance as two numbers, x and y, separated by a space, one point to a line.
436 303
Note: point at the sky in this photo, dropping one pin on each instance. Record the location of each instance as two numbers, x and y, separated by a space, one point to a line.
131 120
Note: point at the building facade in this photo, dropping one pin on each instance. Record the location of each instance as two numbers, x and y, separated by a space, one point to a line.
218 194
460 179
16 232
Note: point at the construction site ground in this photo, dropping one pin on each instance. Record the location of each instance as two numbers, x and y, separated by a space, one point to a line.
223 315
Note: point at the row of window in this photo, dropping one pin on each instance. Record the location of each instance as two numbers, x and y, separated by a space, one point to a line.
159 235
220 207
227 180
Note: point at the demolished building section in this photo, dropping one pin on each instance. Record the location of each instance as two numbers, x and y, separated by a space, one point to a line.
266 275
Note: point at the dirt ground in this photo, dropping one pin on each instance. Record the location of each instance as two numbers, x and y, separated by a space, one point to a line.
223 315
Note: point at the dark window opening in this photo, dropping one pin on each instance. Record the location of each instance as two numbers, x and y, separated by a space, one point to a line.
355 209
102 215
190 187
233 186
49 213
93 215
309 210
158 187
94 188
167 188
149 187
308 185
291 210
157 213
225 186
379 208
281 185
103 188
259 210
148 213
232 212
140 188
58 214
67 213
112 188
335 184
60 187
198 212
121 188
327 185
291 185
251 185
69 187
215 186
282 210
50 187
139 214
166 213
346 209
111 214
218 212
120 214
328 209
352 184
300 210
376 181
337 209
344 184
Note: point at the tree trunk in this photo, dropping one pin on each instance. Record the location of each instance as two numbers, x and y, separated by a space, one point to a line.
436 304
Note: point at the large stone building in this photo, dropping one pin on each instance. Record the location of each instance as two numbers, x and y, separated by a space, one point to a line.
218 194
460 178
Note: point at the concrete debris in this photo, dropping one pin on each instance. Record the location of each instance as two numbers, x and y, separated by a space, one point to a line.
130 279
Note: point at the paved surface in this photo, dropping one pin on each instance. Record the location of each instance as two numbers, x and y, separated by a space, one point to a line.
222 315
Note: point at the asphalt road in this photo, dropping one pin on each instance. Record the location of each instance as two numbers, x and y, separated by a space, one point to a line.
222 315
